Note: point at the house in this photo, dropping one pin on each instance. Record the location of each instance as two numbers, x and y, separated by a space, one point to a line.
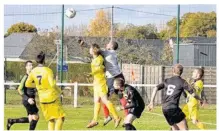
15 44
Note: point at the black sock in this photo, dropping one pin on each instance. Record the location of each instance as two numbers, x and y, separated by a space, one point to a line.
129 127
20 120
133 128
33 124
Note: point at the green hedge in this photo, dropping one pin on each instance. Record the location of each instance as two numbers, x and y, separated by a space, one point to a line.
16 70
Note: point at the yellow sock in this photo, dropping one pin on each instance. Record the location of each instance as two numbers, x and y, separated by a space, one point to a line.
112 110
58 124
96 111
200 125
51 125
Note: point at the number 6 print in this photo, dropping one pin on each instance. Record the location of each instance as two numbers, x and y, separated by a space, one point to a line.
170 89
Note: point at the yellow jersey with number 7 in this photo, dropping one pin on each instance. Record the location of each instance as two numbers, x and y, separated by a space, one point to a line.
45 84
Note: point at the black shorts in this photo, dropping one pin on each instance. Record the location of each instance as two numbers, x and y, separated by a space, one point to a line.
136 111
173 116
110 82
31 109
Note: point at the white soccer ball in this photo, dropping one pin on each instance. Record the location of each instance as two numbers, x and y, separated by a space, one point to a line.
70 13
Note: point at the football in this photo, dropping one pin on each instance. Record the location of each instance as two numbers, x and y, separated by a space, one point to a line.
70 13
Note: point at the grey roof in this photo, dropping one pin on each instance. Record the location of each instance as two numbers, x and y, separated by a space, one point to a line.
15 44
28 45
196 39
46 44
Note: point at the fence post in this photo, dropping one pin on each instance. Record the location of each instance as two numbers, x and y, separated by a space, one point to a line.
75 94
161 78
142 82
5 75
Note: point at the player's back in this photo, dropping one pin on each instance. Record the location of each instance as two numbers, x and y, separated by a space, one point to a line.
111 63
45 84
173 88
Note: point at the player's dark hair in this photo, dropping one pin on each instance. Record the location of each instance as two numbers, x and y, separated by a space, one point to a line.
96 48
40 58
200 72
178 69
120 82
29 61
115 45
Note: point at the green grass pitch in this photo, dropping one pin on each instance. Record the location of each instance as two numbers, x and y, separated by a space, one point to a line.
78 118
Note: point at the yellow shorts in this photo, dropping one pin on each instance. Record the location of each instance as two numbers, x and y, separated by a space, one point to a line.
100 89
191 111
52 110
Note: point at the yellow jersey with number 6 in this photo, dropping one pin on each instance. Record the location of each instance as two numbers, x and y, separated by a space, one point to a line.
45 84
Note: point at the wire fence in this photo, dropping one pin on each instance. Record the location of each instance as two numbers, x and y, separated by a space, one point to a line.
145 33
73 94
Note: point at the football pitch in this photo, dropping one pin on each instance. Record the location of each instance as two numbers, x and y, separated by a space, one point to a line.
78 118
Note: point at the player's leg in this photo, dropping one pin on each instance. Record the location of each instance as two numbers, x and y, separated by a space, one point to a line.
109 82
186 111
33 116
51 125
179 119
17 120
33 121
128 122
123 102
96 110
58 113
182 125
174 127
194 117
59 123
107 117
111 108
175 118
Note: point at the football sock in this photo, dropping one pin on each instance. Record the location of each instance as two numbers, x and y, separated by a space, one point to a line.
105 111
20 120
200 125
129 127
123 103
112 110
33 124
96 111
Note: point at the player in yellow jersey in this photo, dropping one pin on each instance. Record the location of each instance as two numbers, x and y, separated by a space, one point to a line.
100 87
49 93
191 109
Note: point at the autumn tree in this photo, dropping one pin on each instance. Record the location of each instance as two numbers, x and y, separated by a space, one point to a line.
100 25
21 27
167 55
131 31
192 25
